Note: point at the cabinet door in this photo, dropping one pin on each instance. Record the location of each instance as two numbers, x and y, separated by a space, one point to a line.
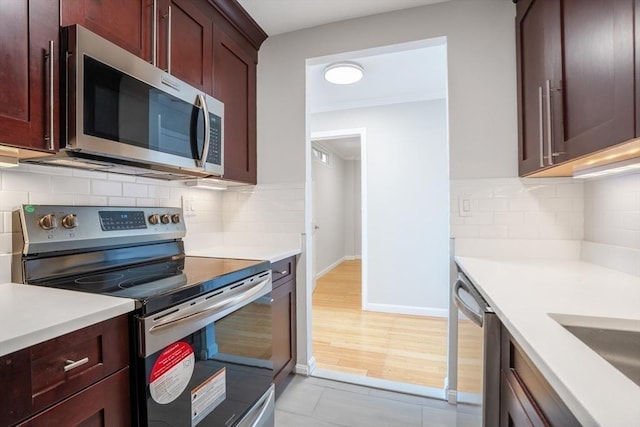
185 43
531 71
105 403
235 86
524 389
126 23
27 74
594 76
512 411
283 309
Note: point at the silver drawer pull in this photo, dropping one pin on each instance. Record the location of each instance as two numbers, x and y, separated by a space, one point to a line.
283 272
70 364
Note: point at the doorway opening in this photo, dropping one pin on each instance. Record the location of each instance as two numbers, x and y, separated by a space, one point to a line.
382 322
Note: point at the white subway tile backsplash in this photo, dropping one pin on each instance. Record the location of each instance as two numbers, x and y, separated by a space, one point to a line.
25 181
493 205
515 208
159 192
106 188
37 198
72 185
612 211
87 200
121 201
144 201
12 200
134 190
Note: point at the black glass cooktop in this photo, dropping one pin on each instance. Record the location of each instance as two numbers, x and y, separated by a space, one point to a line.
160 284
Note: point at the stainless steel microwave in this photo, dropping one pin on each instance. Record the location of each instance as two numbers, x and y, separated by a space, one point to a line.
122 114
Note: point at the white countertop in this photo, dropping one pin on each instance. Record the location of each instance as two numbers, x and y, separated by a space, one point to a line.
33 314
523 293
264 253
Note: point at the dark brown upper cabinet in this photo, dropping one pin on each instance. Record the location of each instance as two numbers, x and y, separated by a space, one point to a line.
127 23
575 69
185 43
235 85
29 46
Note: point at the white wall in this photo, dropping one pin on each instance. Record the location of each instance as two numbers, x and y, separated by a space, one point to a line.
330 211
407 185
482 83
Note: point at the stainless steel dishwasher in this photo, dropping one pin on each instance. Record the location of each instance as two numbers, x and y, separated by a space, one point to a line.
469 302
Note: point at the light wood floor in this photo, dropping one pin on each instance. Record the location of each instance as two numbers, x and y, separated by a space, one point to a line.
410 349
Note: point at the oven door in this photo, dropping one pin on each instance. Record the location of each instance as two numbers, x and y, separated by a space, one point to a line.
218 371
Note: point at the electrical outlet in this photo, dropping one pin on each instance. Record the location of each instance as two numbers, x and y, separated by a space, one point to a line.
465 206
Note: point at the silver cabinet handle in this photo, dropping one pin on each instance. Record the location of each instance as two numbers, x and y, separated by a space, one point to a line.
283 272
549 124
541 126
51 137
202 162
154 37
70 364
169 40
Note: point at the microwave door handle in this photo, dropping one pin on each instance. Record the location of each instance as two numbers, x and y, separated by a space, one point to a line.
202 161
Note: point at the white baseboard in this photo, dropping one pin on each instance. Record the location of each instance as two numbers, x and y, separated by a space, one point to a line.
337 263
407 309
329 268
306 369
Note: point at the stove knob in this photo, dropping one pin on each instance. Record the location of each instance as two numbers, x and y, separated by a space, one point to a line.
165 219
154 219
175 218
48 222
70 221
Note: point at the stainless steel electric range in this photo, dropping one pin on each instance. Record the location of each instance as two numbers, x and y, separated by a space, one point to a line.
201 331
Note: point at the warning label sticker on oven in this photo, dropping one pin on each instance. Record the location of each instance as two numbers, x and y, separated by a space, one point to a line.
208 395
171 372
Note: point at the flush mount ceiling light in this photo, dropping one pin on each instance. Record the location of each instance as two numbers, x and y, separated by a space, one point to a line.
343 73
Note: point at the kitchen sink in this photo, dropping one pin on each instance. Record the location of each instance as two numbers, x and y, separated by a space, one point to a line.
619 347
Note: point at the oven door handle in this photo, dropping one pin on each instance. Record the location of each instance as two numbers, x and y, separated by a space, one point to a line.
474 316
170 321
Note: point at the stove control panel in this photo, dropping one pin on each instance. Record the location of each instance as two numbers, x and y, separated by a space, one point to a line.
51 228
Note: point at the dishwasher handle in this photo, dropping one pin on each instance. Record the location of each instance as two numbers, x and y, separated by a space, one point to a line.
462 283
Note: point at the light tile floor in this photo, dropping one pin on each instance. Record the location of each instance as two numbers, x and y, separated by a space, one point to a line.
316 402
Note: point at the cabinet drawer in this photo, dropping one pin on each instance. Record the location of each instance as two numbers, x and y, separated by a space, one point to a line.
105 403
283 271
47 373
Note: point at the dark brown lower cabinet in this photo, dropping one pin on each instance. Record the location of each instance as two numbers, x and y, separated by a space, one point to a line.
283 309
105 403
526 398
80 378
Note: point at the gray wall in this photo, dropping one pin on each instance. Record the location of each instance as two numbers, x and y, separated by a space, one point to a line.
481 78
